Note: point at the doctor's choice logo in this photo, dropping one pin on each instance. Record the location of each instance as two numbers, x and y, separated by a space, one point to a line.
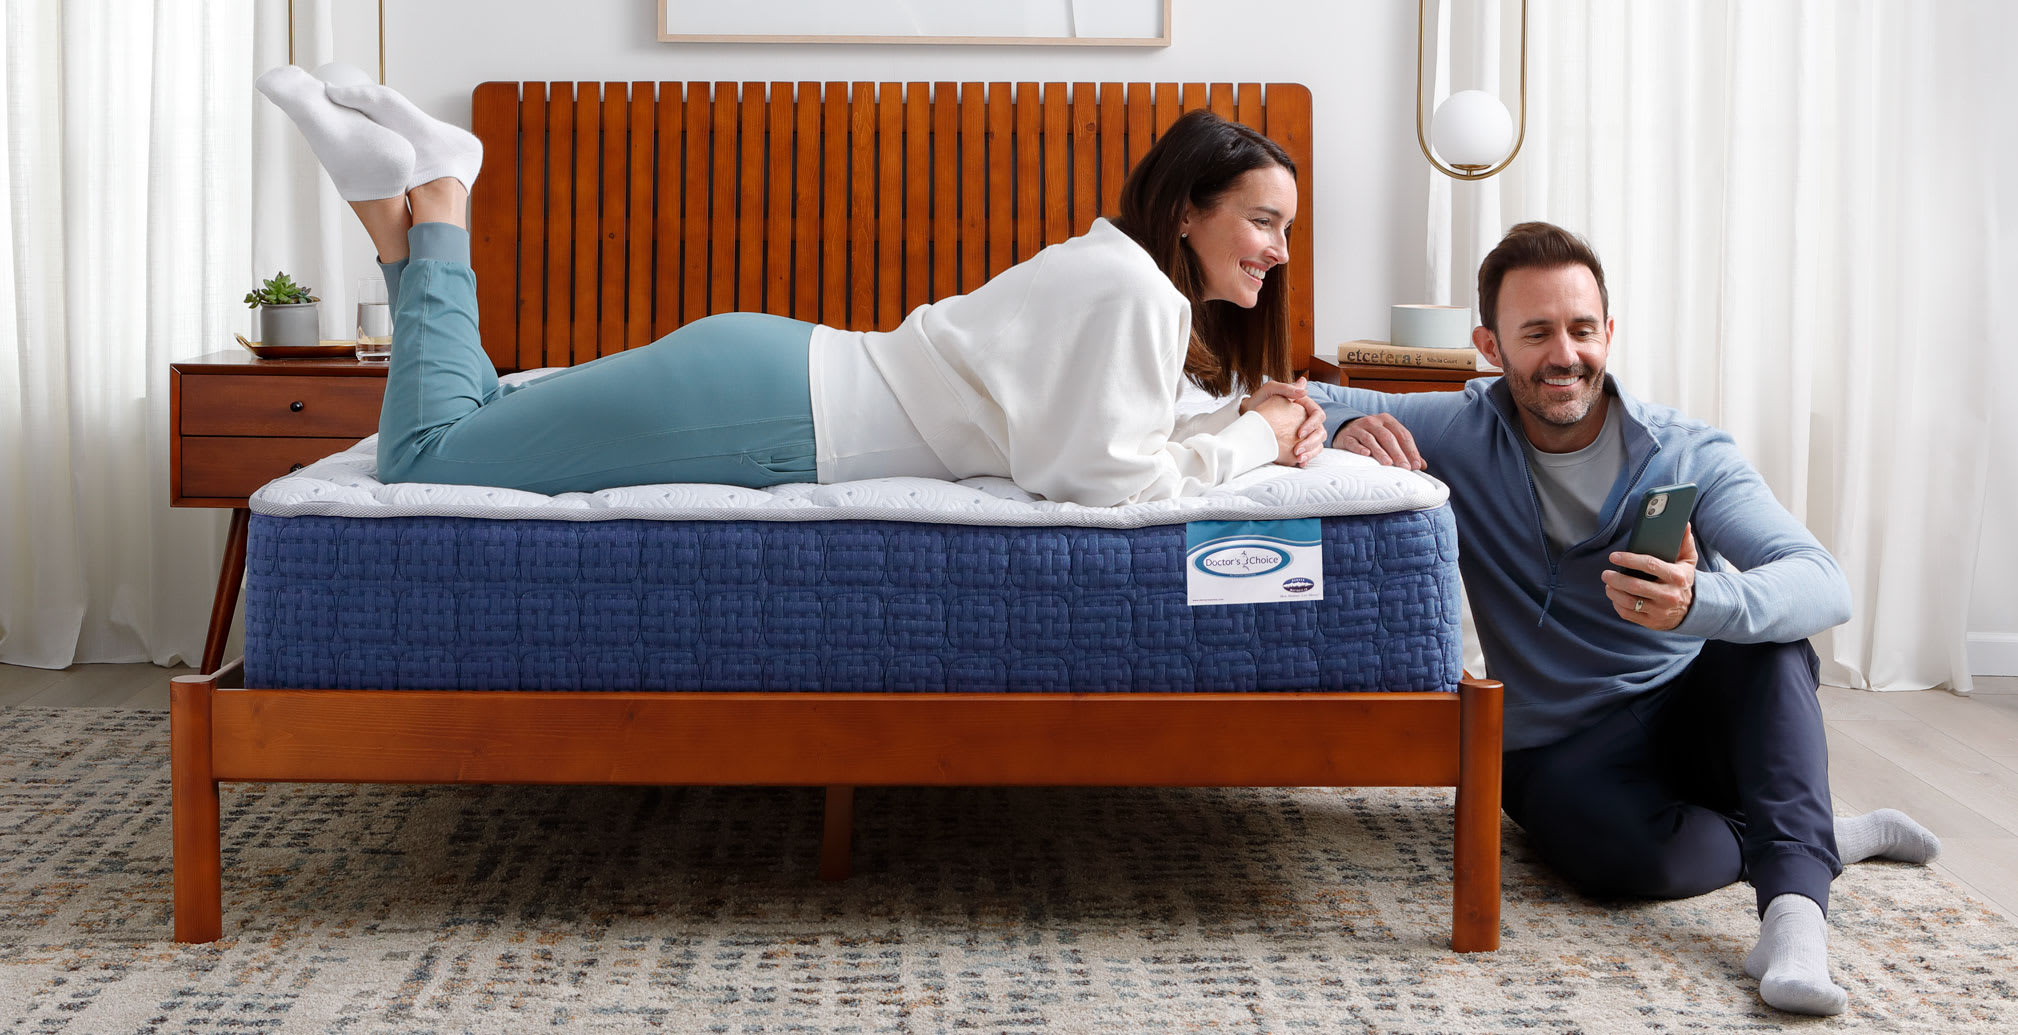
1242 560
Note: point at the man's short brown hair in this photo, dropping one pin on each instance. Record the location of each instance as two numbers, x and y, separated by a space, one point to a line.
1534 246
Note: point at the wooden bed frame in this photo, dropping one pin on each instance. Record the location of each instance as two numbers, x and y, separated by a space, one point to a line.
610 214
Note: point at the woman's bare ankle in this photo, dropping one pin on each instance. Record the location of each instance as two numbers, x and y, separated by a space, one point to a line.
386 221
443 200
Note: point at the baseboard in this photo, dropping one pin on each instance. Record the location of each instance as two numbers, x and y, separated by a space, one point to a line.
1993 654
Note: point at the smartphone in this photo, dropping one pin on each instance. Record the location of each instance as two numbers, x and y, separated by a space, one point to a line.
1660 523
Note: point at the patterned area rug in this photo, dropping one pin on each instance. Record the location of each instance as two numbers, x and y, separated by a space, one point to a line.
491 909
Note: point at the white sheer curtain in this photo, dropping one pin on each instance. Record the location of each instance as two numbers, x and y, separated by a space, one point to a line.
1794 210
134 140
122 248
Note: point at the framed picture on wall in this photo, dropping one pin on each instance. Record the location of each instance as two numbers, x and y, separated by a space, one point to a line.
1096 23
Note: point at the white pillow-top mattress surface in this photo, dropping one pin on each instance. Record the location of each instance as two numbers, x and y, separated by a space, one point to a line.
1334 483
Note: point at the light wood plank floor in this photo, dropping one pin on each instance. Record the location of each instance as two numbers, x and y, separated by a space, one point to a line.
1951 762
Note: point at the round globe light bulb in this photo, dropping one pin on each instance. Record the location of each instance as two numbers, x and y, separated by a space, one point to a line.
1471 129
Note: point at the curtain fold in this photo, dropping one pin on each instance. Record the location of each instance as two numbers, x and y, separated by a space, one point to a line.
1791 206
122 249
41 596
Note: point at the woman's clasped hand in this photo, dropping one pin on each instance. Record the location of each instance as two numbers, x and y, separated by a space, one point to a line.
1297 421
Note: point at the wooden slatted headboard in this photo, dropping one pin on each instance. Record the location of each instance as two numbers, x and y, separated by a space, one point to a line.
610 214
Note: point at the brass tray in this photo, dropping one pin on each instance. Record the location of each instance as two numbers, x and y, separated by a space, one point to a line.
321 350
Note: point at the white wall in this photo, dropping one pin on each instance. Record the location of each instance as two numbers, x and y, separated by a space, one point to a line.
1357 58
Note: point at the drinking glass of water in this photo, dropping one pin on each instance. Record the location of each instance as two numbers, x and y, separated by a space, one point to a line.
374 321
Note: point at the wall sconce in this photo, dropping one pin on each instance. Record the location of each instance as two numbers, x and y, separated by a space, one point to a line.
1471 128
382 37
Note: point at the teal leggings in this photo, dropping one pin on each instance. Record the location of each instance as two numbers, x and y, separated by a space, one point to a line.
723 399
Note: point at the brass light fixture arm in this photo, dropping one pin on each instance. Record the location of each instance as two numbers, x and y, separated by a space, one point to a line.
382 37
1422 141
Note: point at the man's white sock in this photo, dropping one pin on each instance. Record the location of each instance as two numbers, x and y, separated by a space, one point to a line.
365 160
439 149
1791 960
1884 834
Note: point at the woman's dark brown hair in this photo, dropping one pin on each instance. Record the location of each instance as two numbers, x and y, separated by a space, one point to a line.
1194 162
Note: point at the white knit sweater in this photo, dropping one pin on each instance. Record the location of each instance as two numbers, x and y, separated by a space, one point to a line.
1062 374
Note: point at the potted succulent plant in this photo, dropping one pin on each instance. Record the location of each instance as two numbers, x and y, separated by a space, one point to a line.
287 312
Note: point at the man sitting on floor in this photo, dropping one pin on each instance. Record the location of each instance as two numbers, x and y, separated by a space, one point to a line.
1663 737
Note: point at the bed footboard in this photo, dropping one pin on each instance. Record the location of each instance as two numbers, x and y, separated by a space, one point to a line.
837 741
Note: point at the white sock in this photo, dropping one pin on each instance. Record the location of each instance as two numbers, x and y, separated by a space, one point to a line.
1791 960
337 73
1884 834
439 149
365 160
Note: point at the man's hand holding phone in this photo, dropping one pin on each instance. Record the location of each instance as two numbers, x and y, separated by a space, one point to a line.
1660 598
1653 581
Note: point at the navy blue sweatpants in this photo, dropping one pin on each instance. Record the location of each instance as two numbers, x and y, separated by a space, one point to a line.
1721 775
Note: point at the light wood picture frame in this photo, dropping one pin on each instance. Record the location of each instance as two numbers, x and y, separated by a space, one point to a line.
1055 23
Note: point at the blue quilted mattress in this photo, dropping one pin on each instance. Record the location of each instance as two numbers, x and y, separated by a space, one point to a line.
483 604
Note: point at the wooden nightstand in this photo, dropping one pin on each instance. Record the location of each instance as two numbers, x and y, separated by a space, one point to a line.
1393 378
237 422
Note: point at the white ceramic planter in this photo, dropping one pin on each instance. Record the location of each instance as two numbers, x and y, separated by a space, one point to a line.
288 325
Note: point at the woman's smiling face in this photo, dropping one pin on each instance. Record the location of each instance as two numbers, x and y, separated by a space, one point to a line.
1243 236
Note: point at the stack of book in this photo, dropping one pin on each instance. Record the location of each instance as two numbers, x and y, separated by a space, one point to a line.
1384 354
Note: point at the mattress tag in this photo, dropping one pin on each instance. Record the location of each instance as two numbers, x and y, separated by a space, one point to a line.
1253 562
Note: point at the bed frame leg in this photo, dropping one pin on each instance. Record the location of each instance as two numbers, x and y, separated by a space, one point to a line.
199 890
1476 893
839 830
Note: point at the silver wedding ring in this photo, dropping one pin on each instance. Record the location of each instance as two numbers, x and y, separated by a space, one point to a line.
1639 604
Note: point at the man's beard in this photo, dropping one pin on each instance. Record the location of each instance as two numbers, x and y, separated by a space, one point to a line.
1567 412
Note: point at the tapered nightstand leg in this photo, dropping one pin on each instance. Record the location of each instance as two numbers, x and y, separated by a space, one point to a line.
229 578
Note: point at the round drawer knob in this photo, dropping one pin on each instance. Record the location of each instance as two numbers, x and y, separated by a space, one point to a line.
293 468
295 406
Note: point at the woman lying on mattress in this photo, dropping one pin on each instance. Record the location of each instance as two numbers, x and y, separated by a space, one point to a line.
1060 373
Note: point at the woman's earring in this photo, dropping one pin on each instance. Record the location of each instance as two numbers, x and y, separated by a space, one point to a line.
1183 234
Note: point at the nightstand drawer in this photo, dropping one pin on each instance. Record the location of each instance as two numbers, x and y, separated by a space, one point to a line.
235 467
327 407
